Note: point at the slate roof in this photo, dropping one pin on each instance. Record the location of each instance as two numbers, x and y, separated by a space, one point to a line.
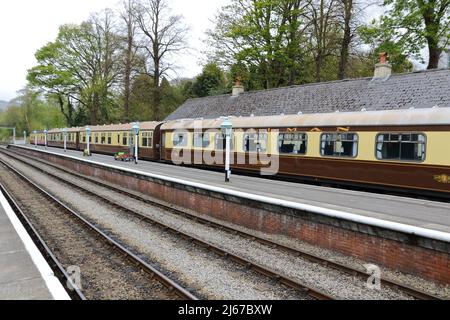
423 89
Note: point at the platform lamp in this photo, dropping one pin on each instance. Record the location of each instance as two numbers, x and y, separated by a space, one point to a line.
136 129
45 137
88 136
227 129
65 139
24 137
35 138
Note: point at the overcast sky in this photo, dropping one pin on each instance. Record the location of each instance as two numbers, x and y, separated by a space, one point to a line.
27 25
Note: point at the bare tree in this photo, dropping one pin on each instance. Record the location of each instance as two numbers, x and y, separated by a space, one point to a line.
347 17
324 32
164 35
130 52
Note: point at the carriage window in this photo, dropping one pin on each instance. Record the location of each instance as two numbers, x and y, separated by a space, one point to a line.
180 139
201 140
103 138
292 143
125 139
255 142
401 146
339 144
147 139
109 138
96 138
220 141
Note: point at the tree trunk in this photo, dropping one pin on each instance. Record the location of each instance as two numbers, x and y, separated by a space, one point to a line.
319 66
157 89
94 108
346 40
434 52
127 89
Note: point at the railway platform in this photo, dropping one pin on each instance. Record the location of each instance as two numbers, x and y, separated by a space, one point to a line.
24 273
404 234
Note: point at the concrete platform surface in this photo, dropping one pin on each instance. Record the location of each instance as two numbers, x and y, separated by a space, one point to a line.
431 215
24 273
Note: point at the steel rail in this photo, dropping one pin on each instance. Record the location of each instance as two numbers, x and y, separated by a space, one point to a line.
57 267
153 272
413 292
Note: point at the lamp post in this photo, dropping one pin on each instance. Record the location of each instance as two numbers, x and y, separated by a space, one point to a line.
88 135
65 139
24 137
35 138
136 129
227 128
45 137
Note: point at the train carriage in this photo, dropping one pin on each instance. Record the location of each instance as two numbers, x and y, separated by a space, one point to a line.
110 139
401 150
37 138
55 138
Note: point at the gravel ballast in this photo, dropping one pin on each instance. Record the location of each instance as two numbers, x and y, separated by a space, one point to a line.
331 281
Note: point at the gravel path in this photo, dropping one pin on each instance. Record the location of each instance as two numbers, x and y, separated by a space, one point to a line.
331 281
105 275
208 275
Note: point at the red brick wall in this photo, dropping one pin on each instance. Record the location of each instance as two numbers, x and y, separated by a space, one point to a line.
427 263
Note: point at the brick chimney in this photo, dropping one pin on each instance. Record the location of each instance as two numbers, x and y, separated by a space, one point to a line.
238 88
383 70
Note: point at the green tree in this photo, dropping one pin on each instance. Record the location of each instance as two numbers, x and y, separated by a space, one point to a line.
210 82
80 69
29 112
412 24
262 36
380 40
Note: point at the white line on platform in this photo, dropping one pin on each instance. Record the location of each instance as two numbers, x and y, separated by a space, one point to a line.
53 284
375 222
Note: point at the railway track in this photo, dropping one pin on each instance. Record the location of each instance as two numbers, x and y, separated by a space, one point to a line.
413 292
128 259
60 272
249 265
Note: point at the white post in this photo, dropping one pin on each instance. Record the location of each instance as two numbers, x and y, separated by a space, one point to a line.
227 158
45 140
135 130
227 128
136 149
25 137
87 140
65 139
14 135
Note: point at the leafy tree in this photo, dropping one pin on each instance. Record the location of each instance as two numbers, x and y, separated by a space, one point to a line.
259 35
380 40
29 112
412 24
80 68
210 82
